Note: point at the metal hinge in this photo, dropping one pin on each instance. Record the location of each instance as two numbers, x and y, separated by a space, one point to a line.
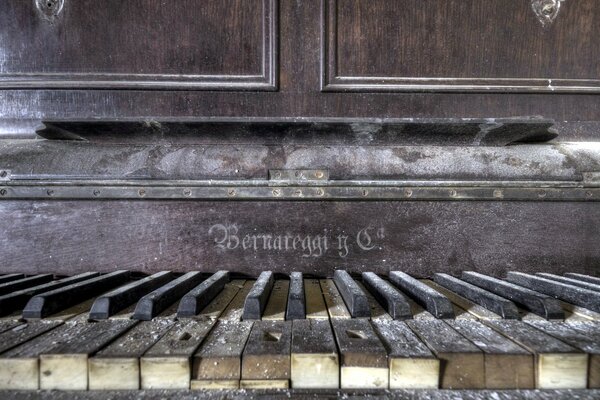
282 176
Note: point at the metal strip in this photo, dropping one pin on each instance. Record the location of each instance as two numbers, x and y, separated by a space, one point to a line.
541 192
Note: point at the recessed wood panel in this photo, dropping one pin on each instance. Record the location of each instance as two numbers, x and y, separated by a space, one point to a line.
183 44
469 45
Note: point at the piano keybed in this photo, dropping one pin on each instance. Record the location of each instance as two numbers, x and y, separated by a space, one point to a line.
200 331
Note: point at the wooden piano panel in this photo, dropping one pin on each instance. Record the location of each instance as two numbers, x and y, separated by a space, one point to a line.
469 45
193 44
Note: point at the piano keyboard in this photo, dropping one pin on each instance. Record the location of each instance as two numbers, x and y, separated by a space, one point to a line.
201 331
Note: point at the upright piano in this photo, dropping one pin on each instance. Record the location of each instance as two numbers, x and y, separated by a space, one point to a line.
280 198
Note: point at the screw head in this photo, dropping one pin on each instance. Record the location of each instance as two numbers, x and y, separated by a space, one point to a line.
589 193
542 193
276 192
320 192
277 175
50 192
96 192
365 192
142 192
453 193
2 192
498 193
298 192
187 192
548 7
319 174
408 192
3 174
231 192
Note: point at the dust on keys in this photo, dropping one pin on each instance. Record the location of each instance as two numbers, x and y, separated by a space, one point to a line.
210 331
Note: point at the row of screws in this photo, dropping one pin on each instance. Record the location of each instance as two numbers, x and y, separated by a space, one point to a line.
497 193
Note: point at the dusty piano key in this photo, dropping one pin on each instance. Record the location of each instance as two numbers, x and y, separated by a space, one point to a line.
24 283
377 311
463 305
117 366
160 299
276 305
364 363
498 305
583 278
47 303
433 301
583 336
462 363
557 365
218 362
166 365
65 367
537 303
296 301
507 365
573 294
220 303
395 303
315 302
124 296
199 297
22 333
336 308
355 299
19 367
255 302
314 361
411 363
17 300
570 281
266 356
10 277
235 309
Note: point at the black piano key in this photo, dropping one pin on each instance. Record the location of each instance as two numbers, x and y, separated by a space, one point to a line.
111 303
356 300
16 300
570 281
499 305
24 283
255 302
56 300
584 278
296 308
394 302
433 301
199 297
11 277
157 301
530 300
570 293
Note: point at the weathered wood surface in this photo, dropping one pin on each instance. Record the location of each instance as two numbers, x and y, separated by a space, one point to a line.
558 365
394 301
462 363
314 357
126 295
267 352
507 365
166 365
419 237
199 297
354 296
117 366
315 302
257 298
363 358
430 299
387 40
160 299
65 366
411 363
220 356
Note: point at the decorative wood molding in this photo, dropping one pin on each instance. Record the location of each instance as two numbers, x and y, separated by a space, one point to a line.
332 81
266 81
